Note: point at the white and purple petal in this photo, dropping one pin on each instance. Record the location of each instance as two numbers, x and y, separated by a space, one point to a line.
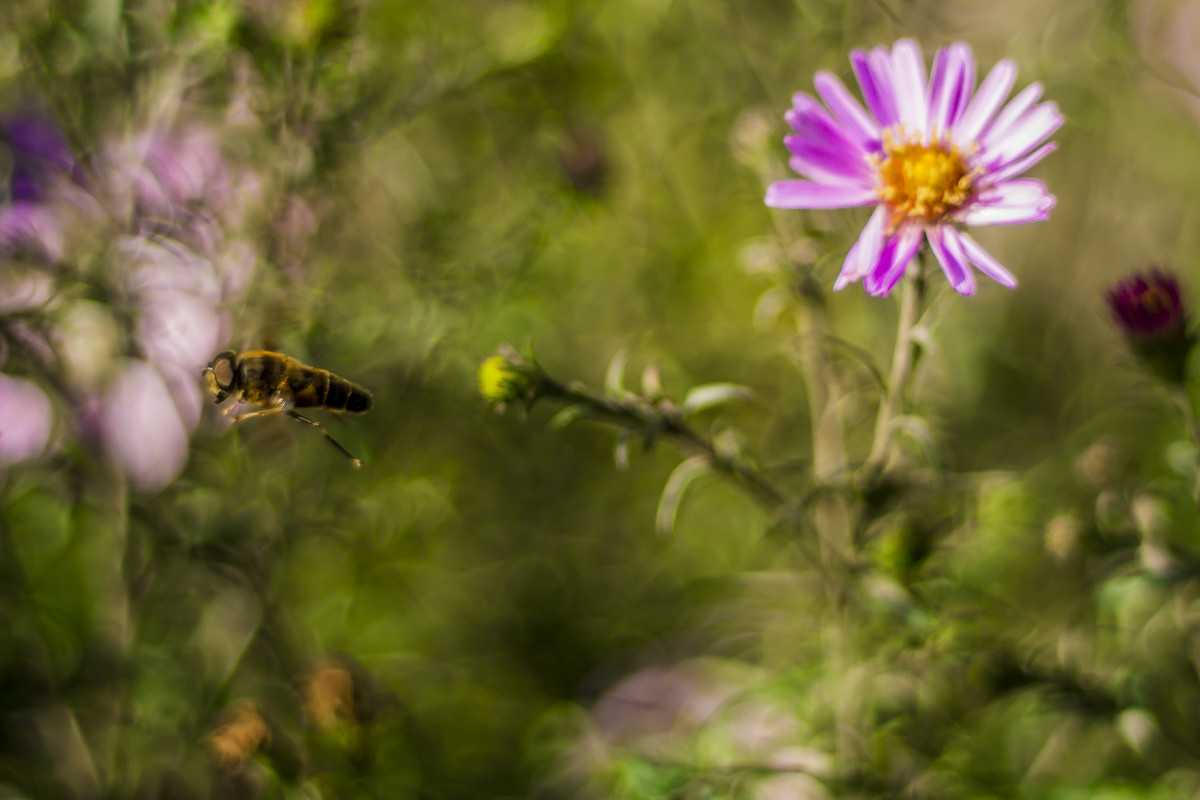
949 254
908 73
951 82
1010 202
864 254
855 120
943 90
1012 112
1015 168
806 194
982 259
812 122
1026 134
1008 205
873 71
897 253
966 82
991 94
817 163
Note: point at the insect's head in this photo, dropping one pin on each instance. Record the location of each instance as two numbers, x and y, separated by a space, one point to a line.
221 376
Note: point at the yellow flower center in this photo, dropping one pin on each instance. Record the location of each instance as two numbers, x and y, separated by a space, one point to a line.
923 182
496 378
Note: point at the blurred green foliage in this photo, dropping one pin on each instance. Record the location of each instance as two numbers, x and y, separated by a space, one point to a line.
485 609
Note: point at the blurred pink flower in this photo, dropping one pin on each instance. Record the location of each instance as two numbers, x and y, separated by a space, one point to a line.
26 420
236 266
141 426
32 228
162 173
658 699
160 264
176 183
931 156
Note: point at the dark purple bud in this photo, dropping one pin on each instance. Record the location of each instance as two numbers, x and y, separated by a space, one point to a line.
40 154
23 187
34 137
1149 311
1147 304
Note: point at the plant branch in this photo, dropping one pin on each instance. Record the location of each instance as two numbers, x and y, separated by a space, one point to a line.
663 417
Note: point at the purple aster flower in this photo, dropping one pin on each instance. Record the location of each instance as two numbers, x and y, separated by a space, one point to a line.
931 156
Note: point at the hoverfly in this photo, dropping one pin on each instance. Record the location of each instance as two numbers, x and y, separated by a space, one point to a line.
280 384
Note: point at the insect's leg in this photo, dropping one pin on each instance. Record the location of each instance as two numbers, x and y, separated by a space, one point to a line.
259 413
325 433
282 403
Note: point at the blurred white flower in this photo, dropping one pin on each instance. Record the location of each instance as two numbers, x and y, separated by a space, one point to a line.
1167 33
88 341
180 329
141 426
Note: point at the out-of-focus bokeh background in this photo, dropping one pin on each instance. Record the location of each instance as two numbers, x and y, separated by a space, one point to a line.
391 190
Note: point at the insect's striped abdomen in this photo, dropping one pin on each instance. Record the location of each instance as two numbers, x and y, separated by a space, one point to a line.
344 395
319 388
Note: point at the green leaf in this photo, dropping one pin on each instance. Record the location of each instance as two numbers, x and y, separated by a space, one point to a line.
614 376
672 493
568 415
712 395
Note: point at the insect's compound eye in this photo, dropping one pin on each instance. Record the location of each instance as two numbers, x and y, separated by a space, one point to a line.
222 372
220 376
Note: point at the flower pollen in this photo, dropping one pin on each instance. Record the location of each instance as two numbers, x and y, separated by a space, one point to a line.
921 181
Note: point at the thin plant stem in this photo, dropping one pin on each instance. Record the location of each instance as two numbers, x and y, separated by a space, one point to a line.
828 436
665 419
902 365
1193 428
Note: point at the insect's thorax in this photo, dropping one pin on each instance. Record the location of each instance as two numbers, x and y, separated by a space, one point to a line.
261 377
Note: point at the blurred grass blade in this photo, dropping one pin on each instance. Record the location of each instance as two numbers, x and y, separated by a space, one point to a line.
621 450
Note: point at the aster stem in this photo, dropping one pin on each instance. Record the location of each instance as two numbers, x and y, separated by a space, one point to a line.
1188 410
902 364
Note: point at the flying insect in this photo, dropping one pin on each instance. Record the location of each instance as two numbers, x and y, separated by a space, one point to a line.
279 384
